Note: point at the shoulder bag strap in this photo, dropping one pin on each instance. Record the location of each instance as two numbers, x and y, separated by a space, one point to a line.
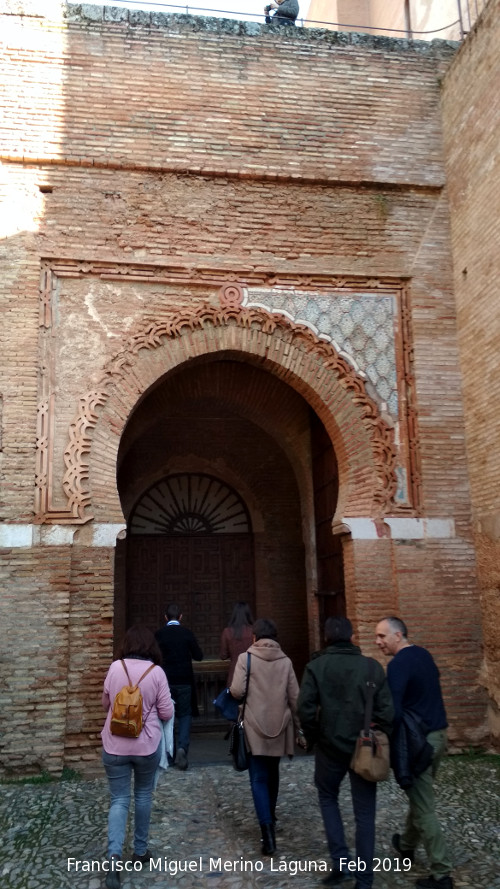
152 705
246 686
145 674
141 678
137 683
370 694
126 671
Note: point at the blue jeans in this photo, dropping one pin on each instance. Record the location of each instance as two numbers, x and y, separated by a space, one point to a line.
328 776
119 771
264 774
181 696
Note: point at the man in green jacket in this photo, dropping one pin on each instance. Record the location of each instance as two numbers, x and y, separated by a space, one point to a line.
331 708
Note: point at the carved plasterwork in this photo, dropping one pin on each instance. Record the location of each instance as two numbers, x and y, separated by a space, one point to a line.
408 410
369 327
77 468
360 326
234 309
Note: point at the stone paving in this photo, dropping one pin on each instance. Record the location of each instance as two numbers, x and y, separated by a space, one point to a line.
204 832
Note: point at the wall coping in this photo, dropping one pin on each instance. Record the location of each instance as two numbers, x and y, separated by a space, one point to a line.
80 12
85 14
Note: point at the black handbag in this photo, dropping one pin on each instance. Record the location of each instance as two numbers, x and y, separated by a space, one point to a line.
238 747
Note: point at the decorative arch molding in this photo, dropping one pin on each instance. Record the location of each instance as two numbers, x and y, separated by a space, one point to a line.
363 440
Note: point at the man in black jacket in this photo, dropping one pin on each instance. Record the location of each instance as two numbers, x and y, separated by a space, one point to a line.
179 647
414 682
331 709
286 12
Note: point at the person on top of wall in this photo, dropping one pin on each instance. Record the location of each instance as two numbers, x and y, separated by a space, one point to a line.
413 678
140 755
179 647
286 12
236 637
271 726
331 709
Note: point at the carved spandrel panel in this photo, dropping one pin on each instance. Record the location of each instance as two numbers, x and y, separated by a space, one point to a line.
364 327
86 347
361 325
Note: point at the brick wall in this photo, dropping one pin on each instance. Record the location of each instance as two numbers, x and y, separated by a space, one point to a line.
471 121
35 605
149 159
266 110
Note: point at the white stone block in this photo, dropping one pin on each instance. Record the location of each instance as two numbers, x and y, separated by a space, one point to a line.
16 536
106 534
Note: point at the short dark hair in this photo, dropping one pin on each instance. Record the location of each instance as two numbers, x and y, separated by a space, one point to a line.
173 612
338 629
397 625
264 628
140 641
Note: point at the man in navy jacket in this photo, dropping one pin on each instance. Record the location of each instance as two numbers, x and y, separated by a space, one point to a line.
179 647
413 678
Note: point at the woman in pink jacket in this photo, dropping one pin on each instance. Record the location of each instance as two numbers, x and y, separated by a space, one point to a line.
271 726
141 756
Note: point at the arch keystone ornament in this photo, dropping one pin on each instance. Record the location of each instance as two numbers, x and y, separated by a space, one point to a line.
363 440
231 296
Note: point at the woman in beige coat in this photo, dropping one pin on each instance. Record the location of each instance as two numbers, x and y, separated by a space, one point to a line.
271 727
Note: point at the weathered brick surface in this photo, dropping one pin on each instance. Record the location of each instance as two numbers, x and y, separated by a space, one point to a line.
471 122
89 642
267 109
412 578
209 151
34 608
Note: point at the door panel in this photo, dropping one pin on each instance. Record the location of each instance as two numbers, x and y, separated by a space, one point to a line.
156 575
237 563
205 575
206 593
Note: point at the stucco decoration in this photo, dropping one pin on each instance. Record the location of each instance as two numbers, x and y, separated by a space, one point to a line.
368 324
76 475
360 326
231 313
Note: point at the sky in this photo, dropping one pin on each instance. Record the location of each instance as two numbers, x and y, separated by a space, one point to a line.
245 10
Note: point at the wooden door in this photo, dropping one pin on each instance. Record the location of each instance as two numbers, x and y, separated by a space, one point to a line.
205 575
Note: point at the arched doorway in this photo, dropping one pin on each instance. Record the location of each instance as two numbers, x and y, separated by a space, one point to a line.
216 482
157 396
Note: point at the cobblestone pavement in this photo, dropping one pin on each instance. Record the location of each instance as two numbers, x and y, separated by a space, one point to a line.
203 826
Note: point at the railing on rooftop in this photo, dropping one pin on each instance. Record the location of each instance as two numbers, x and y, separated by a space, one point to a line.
468 11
